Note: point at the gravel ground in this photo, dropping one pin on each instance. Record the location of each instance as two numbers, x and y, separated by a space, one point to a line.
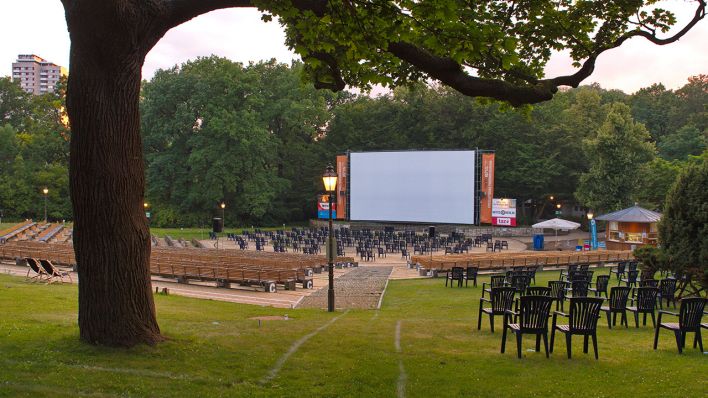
360 288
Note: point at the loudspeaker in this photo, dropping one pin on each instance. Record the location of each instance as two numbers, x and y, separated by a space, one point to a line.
217 225
431 232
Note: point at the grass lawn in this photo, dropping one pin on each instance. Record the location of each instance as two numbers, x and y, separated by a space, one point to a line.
214 349
4 225
203 233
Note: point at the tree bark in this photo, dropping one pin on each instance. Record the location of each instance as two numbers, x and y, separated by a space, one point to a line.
106 170
109 41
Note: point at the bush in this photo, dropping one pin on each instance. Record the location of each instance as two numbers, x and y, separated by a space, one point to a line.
652 259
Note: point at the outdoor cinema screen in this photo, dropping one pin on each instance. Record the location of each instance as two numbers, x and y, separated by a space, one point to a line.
412 186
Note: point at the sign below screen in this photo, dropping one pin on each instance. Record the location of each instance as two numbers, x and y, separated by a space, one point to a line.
504 212
323 207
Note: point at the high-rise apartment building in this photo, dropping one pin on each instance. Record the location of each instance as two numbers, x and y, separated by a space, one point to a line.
36 74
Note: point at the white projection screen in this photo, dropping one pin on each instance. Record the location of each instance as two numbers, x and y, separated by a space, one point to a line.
412 186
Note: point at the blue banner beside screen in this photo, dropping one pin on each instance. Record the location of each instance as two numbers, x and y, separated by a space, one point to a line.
593 234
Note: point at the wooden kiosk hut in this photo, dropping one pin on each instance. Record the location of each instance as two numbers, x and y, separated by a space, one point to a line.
630 228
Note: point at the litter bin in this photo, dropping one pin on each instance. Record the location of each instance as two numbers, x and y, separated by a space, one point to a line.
538 242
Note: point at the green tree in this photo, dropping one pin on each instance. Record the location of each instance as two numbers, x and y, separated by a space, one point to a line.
616 157
655 180
654 106
218 131
693 108
683 230
15 103
684 142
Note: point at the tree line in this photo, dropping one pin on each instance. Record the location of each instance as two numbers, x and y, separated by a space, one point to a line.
257 138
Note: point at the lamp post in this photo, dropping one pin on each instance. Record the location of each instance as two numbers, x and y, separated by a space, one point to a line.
147 214
330 183
591 230
558 213
223 211
45 191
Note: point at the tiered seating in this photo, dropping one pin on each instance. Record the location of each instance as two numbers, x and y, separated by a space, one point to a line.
59 254
49 232
246 268
225 267
18 231
503 260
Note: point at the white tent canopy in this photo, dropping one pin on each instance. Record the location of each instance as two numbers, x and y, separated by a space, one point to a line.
557 223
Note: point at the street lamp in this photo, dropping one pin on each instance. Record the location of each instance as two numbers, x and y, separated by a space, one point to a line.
591 229
147 214
223 207
45 191
329 178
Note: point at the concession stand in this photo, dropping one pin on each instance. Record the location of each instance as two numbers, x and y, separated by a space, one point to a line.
630 228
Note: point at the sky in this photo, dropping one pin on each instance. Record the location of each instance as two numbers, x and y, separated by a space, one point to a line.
240 35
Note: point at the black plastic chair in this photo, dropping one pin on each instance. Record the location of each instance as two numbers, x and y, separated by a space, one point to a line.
495 281
648 283
471 275
456 274
501 300
667 291
620 270
689 320
631 279
532 272
601 283
533 319
538 291
566 273
646 304
582 320
520 283
618 305
558 292
579 288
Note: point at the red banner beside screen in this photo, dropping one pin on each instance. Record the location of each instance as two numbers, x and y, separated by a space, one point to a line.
342 175
485 203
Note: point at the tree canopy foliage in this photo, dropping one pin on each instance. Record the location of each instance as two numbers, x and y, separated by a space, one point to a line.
494 49
616 155
683 230
257 137
34 150
216 131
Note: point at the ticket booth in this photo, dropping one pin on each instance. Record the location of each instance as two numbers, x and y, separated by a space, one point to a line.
630 228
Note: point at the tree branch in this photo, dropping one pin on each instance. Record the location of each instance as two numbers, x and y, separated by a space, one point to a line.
589 65
180 11
451 73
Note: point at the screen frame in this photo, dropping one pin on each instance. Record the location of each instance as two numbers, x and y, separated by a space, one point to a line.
477 155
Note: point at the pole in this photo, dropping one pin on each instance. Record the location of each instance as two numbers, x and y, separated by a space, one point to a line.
330 260
45 208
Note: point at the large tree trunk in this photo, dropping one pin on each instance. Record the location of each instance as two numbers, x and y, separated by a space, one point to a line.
111 235
109 41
